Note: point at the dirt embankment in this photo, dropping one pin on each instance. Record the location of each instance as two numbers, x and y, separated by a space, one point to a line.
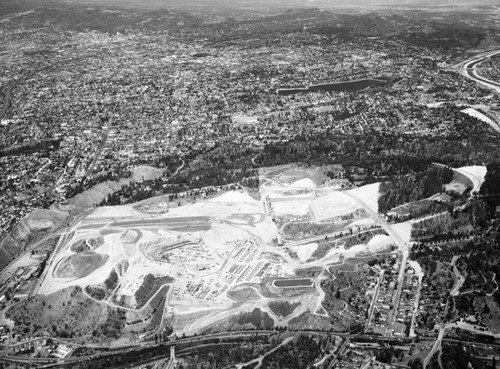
33 227
42 222
93 196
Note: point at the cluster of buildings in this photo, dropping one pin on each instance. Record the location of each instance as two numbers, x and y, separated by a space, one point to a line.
196 258
384 319
20 285
408 302
43 347
113 102
490 68
200 289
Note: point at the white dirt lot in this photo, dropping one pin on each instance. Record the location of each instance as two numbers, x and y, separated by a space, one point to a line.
362 222
146 173
333 205
380 240
293 207
369 194
304 252
403 230
304 183
122 211
234 197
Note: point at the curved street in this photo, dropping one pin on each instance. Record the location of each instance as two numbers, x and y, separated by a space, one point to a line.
468 69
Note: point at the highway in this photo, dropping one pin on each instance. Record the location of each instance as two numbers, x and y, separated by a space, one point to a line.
201 340
476 180
236 335
98 152
469 70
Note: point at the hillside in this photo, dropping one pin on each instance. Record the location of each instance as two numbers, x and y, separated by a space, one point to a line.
41 222
33 227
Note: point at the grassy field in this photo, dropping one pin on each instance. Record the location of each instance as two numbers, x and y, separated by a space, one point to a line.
324 246
80 246
107 231
149 287
418 208
310 321
347 292
283 308
80 265
309 272
158 305
243 294
291 175
268 290
67 313
299 231
257 318
96 292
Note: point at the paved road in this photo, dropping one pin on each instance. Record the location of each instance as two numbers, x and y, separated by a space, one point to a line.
332 236
179 168
415 307
261 357
460 277
98 152
48 266
222 336
468 69
374 300
403 246
241 334
476 180
436 347
338 354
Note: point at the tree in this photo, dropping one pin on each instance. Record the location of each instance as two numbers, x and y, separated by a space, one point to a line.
486 309
416 363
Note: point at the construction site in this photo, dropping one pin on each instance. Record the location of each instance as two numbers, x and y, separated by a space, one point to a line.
187 269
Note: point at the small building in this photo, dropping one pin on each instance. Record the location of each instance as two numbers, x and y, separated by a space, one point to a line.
440 197
63 351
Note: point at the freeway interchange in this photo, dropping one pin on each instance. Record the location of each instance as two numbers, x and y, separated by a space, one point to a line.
469 70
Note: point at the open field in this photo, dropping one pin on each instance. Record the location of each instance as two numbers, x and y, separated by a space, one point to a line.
67 313
418 208
244 294
80 265
283 308
334 205
302 177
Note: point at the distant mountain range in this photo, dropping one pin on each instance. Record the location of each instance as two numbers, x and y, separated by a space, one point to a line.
254 4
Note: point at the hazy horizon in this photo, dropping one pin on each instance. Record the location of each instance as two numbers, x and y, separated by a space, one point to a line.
265 3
